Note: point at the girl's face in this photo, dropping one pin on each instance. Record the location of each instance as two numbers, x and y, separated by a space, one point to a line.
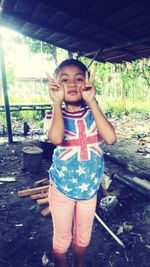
72 78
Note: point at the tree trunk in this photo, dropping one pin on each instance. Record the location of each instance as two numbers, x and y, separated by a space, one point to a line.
31 158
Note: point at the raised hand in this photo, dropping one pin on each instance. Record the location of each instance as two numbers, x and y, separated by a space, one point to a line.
87 91
56 91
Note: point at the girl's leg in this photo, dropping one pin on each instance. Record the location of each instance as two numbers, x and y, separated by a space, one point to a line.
62 210
60 259
83 222
78 255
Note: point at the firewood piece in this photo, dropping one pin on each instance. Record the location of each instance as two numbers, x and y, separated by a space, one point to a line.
45 212
42 181
42 201
31 191
39 196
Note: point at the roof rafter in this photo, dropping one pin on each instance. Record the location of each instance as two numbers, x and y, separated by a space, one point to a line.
42 24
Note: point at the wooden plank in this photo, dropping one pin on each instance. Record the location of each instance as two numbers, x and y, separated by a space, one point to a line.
42 201
38 196
31 191
42 181
45 212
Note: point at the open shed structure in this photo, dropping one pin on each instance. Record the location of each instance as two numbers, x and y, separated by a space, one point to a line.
110 31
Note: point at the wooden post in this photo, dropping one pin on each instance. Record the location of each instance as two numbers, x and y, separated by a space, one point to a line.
6 99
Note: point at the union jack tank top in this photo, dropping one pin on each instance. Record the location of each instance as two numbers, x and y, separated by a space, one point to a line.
78 163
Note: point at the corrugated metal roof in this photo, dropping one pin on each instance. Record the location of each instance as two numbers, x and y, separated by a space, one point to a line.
118 29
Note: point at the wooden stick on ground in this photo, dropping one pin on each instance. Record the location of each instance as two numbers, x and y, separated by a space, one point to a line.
109 231
39 196
42 201
45 212
31 191
42 181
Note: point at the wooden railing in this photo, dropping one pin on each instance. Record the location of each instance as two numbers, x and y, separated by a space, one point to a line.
32 107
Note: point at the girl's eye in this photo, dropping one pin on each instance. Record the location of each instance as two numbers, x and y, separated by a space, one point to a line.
64 80
79 79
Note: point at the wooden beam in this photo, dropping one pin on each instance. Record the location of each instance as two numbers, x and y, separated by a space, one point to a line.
6 98
140 185
65 32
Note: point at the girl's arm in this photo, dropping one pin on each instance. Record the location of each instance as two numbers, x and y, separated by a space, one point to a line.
104 127
56 130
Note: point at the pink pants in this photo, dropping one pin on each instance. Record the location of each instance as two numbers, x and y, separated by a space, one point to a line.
67 213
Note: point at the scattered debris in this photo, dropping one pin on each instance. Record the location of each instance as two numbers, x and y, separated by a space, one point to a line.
115 192
127 226
120 230
127 259
108 203
45 212
146 139
106 181
19 225
7 179
110 263
45 259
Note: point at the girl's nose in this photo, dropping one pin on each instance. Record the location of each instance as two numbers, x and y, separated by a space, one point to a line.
72 83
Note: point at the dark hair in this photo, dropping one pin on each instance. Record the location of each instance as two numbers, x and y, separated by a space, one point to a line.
69 62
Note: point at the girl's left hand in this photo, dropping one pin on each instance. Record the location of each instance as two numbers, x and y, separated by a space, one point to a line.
87 91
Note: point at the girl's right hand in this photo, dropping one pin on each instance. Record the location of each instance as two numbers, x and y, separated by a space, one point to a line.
56 91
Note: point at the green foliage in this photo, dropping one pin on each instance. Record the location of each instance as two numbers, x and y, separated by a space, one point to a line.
122 88
37 47
2 118
116 108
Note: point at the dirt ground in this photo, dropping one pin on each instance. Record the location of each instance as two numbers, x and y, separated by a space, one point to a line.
26 236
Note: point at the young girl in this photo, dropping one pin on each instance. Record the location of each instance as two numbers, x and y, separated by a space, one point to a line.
77 130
